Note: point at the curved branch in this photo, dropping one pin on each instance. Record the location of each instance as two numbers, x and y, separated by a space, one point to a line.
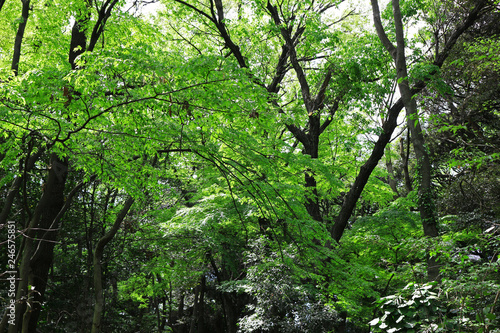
199 11
380 30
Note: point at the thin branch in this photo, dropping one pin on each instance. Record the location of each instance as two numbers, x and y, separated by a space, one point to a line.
185 39
108 109
318 101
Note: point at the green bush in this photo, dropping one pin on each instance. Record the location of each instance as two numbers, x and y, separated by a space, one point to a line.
416 308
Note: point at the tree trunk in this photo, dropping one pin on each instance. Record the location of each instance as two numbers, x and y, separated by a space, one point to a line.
19 36
424 169
201 306
37 257
230 312
7 206
365 171
405 159
98 254
194 316
180 310
41 260
78 43
312 149
16 184
156 303
198 317
389 125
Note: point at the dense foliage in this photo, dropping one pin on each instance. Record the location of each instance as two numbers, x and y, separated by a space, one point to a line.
245 166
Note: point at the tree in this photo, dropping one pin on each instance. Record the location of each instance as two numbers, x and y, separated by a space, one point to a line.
426 205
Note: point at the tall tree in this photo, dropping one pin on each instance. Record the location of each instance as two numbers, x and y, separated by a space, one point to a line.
98 256
424 168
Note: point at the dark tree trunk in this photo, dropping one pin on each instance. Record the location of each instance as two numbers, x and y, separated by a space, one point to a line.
181 306
311 148
98 255
365 171
230 312
201 307
16 57
41 261
194 316
78 43
16 184
37 255
198 317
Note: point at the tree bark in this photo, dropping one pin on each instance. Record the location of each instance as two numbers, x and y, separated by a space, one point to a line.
16 184
201 306
365 171
78 43
309 139
194 316
104 15
41 260
424 169
230 312
198 317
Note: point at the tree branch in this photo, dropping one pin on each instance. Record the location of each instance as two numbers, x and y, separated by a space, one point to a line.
380 30
290 43
391 121
104 14
452 40
199 11
281 70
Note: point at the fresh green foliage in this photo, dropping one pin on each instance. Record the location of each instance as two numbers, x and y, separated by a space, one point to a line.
240 129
